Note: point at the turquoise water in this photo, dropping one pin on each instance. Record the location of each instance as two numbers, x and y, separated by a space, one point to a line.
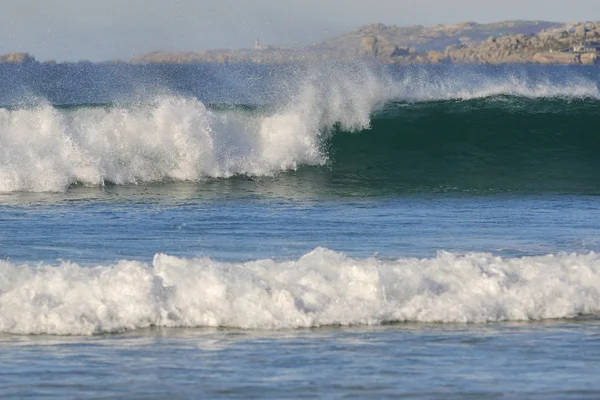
356 231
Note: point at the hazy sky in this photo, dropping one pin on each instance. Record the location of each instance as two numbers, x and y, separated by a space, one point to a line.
107 29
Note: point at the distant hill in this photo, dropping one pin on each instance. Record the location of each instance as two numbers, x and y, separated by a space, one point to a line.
468 43
422 39
473 43
379 41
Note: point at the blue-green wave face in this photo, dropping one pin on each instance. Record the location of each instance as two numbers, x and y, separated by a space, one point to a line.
501 143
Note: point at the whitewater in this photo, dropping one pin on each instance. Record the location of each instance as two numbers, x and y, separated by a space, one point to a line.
322 288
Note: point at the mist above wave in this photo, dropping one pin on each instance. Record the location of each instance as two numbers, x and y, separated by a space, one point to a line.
460 83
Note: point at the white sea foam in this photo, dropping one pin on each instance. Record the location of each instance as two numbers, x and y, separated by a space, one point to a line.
322 288
45 149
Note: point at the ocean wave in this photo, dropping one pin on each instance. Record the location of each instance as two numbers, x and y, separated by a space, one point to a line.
322 288
173 138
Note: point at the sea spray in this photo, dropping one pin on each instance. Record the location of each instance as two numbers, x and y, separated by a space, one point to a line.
418 84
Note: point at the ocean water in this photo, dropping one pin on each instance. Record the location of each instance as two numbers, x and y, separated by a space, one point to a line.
332 230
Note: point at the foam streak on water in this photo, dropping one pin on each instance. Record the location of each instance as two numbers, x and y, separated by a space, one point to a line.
322 288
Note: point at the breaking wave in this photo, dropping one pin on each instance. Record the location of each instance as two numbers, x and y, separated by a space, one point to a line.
47 148
178 138
322 288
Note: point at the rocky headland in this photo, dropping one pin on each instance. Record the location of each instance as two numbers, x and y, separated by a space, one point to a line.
504 42
568 44
537 42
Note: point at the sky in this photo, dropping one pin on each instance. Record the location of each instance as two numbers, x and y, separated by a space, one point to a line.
97 30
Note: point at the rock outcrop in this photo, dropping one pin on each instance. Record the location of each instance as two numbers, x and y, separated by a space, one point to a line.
553 46
17 58
424 39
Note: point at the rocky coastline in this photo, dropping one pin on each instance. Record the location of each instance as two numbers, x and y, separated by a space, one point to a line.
507 42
